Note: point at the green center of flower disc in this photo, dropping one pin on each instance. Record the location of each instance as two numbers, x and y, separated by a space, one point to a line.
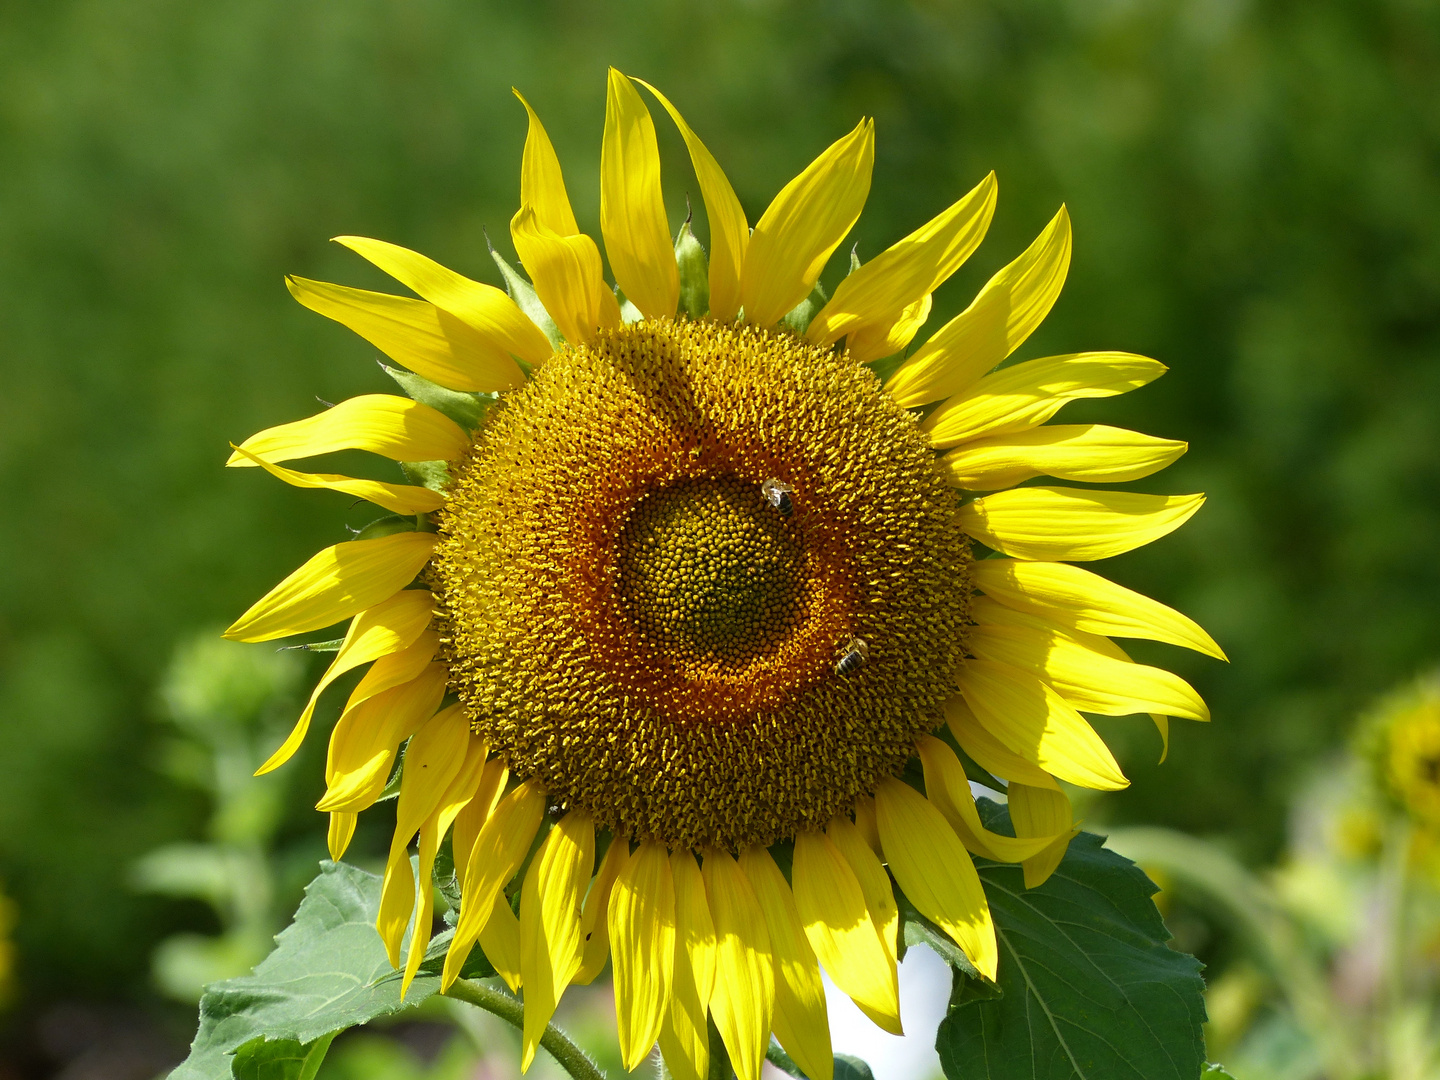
709 571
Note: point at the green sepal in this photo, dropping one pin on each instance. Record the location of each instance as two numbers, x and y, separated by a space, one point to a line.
629 313
388 526
467 410
1216 1072
798 318
434 475
333 645
523 293
280 1059
694 267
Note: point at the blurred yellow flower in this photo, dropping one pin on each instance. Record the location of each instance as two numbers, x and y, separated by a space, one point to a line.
700 584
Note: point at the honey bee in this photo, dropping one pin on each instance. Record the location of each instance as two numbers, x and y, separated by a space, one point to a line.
777 494
853 657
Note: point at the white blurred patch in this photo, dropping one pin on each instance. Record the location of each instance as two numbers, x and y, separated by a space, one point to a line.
924 992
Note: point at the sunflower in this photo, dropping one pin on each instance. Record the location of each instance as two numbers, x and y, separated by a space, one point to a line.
679 590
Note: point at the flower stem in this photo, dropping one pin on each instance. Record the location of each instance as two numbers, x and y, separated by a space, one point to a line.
571 1058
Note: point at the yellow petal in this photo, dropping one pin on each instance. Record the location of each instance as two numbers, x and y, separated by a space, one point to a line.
568 277
388 627
888 336
839 927
989 752
694 925
342 828
1089 672
865 822
364 740
550 945
393 427
1162 724
1009 308
1058 523
873 881
1090 453
501 846
396 668
949 792
484 308
595 918
335 584
541 183
1081 600
1035 722
434 756
729 231
1041 812
684 1036
500 941
632 206
802 227
404 499
908 270
934 869
1023 396
801 1021
743 1001
642 941
432 829
429 340
475 813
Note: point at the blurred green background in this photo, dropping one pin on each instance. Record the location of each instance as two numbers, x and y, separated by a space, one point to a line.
1255 188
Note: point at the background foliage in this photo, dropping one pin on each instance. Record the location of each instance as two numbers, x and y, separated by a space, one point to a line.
1256 201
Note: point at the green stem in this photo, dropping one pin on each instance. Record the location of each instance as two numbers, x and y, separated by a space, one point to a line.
571 1058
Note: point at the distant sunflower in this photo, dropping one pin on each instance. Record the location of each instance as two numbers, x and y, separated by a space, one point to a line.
701 586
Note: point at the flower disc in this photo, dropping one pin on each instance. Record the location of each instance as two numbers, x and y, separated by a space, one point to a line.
630 620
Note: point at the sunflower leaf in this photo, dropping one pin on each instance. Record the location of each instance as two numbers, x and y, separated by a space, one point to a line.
280 1059
328 972
1091 989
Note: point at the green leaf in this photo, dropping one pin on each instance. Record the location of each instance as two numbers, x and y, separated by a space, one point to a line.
694 273
1091 990
328 972
282 1059
1216 1072
465 409
523 293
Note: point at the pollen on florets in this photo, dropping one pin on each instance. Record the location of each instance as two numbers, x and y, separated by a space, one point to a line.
629 620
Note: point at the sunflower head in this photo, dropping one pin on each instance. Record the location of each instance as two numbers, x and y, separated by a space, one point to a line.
1402 736
676 576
